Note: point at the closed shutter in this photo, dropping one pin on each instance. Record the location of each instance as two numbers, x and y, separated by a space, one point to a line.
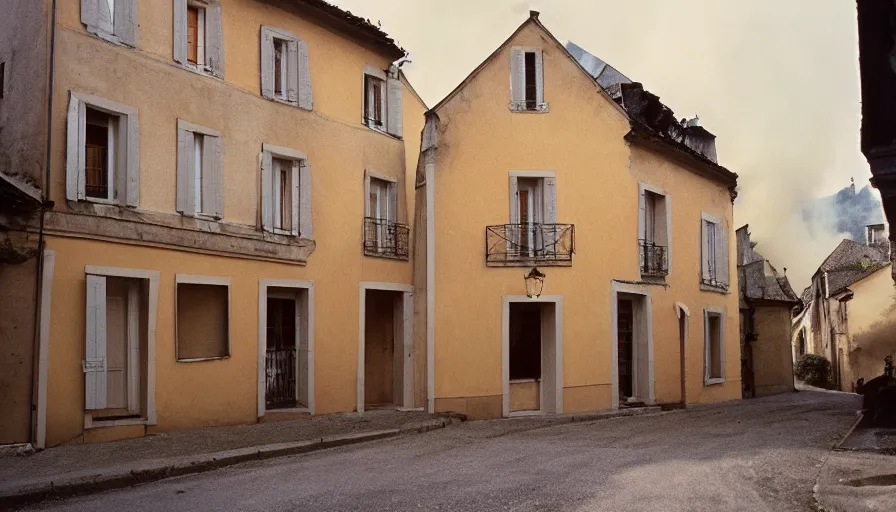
96 16
295 196
132 165
76 125
517 76
550 201
305 96
213 181
267 191
214 39
180 31
185 173
514 200
126 21
392 212
95 354
267 64
539 77
706 347
305 230
292 72
90 12
394 114
721 253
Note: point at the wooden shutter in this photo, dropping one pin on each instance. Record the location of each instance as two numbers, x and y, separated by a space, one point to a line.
180 31
132 160
95 15
642 215
193 35
706 348
305 201
213 180
392 209
704 249
94 365
304 72
126 21
90 12
292 72
539 77
295 195
214 39
514 200
76 125
185 169
722 253
550 201
394 113
267 191
517 76
267 64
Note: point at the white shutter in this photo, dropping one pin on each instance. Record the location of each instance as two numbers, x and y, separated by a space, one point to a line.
295 196
96 16
706 349
305 230
539 77
267 64
550 201
185 173
132 160
394 115
722 253
517 75
392 209
292 72
74 150
180 31
514 200
90 12
94 364
214 39
126 21
642 216
704 250
305 96
267 191
213 181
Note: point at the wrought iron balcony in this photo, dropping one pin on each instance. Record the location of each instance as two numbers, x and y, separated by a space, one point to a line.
386 239
529 244
654 259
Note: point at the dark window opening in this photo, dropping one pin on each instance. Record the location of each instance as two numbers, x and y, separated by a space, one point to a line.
2 79
525 341
531 84
96 155
373 100
279 50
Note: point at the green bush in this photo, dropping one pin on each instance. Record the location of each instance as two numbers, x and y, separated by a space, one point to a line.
814 370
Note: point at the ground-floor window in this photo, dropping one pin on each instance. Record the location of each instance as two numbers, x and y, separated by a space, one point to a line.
715 357
203 318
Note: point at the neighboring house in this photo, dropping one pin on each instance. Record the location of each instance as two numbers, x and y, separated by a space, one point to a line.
637 305
847 313
766 306
187 279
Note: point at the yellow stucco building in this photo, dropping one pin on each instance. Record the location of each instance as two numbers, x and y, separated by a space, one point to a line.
229 236
530 162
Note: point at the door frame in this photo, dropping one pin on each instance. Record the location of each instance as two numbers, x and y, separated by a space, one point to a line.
407 341
551 364
298 286
646 310
684 317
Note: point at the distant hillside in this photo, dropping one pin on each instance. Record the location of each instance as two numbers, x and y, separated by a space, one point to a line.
847 211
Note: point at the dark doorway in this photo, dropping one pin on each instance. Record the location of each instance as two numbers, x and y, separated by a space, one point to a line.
383 363
626 336
280 359
682 337
525 351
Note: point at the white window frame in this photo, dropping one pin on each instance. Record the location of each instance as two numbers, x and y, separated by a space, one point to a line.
125 187
642 219
390 101
391 185
720 282
296 72
718 312
152 278
518 80
301 222
209 281
548 193
211 194
210 54
121 29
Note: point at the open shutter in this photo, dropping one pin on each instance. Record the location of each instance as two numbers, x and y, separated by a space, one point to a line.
213 181
722 253
550 201
514 200
126 21
517 76
267 191
95 355
267 64
305 230
185 171
214 39
74 150
642 216
90 12
394 115
96 16
180 31
706 348
292 72
704 251
393 202
305 96
132 162
295 196
539 78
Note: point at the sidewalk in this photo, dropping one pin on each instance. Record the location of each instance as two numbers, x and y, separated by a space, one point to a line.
82 468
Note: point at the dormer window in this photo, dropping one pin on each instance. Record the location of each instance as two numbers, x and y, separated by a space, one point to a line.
527 80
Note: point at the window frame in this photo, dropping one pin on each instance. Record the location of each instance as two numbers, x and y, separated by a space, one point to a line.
302 220
211 35
518 83
212 172
643 189
708 379
207 281
123 30
721 282
296 75
391 97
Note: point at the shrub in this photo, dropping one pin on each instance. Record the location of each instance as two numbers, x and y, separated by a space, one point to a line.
814 370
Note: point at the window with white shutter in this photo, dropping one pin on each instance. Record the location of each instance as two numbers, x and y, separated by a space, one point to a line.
112 20
527 80
285 71
199 36
714 346
714 254
533 213
285 192
382 109
200 171
654 231
102 152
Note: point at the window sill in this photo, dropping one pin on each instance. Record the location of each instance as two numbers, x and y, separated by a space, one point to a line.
714 289
380 129
285 101
541 108
90 423
203 71
203 359
523 381
713 382
106 36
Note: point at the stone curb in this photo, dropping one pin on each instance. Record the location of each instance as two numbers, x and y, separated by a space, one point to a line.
93 481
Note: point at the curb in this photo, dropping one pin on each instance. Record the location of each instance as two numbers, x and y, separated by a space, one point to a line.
94 481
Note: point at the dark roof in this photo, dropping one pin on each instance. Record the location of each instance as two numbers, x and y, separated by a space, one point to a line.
851 254
840 280
806 296
759 280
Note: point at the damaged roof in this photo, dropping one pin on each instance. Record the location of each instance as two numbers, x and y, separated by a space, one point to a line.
605 74
759 280
849 263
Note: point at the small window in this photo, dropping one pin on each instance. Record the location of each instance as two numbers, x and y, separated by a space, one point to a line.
653 239
379 204
112 20
280 72
285 192
200 180
2 79
199 36
531 84
527 80
374 101
714 362
714 250
285 72
99 154
195 34
203 321
382 106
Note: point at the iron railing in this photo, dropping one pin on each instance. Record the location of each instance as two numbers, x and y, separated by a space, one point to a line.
386 239
654 259
525 244
280 378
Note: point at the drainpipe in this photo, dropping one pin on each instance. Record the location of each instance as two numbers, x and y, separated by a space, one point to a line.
45 204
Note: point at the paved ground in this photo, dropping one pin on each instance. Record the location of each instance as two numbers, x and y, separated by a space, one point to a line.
762 454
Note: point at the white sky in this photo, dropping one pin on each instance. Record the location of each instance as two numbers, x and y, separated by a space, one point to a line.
775 80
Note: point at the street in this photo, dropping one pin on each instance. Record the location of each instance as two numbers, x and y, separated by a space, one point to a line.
762 454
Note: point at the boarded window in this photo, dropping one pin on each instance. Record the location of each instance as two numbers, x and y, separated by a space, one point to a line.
203 321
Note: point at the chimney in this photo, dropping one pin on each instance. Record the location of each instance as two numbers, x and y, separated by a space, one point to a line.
534 14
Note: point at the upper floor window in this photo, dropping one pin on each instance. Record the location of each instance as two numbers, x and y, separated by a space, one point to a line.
527 80
198 35
200 171
383 235
382 100
102 152
112 20
714 253
285 73
653 236
285 191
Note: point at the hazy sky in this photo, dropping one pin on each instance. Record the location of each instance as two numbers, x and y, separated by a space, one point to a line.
775 80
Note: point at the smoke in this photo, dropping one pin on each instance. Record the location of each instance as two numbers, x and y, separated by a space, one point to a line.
872 346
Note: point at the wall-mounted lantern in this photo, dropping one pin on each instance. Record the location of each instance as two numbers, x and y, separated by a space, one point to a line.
534 283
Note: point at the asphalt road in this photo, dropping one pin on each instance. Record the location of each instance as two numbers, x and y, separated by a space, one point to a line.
753 455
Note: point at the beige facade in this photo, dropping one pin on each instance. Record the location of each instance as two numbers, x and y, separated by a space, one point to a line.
571 151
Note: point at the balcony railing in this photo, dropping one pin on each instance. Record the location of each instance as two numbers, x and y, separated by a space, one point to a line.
386 239
654 259
529 244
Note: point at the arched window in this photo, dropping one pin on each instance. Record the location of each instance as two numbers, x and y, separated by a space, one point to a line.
802 338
